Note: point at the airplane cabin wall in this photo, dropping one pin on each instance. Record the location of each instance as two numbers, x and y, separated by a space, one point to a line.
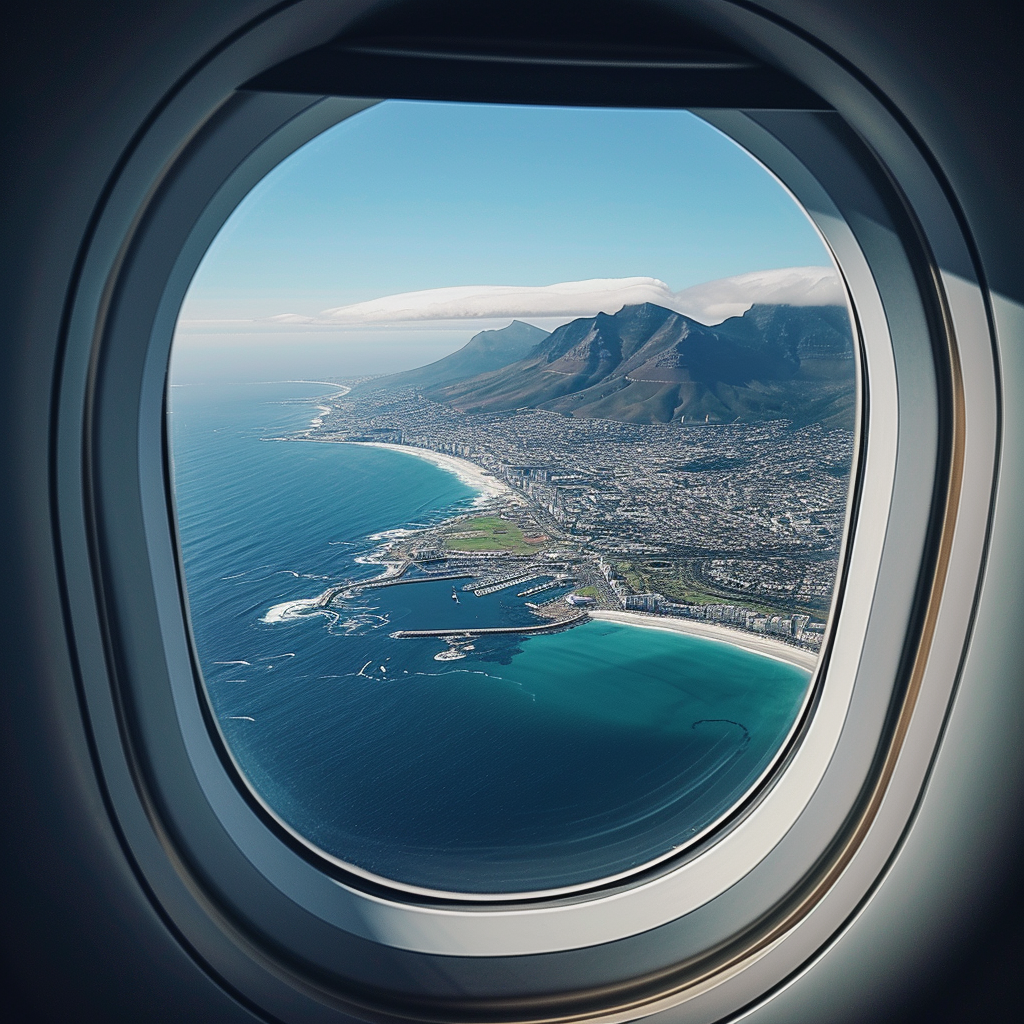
83 941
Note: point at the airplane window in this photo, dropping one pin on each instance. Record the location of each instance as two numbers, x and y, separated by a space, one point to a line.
512 453
507 547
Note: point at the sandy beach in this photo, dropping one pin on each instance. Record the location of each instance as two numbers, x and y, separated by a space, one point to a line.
471 475
709 631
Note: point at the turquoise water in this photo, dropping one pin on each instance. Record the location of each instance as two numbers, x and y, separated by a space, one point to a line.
533 763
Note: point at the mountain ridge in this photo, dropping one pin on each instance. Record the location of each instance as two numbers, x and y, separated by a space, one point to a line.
649 364
485 351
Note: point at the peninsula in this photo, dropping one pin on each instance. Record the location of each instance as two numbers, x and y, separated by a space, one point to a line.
638 464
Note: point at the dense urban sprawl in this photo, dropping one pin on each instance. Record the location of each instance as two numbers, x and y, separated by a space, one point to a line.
738 523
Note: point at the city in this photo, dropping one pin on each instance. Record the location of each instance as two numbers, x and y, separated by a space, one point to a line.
739 524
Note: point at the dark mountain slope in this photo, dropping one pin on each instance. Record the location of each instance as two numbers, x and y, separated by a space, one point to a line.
646 364
488 350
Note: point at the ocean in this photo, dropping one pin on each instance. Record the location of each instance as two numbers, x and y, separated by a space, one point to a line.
532 763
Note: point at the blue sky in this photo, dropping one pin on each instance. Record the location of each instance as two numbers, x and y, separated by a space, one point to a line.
408 196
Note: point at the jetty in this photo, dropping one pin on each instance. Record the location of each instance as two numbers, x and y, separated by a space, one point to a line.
543 627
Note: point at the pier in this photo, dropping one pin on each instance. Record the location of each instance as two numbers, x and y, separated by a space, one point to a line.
492 588
558 581
544 627
499 581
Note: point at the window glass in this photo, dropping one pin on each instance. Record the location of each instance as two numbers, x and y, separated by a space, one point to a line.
511 452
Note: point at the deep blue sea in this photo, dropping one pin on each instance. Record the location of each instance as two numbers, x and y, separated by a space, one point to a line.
532 763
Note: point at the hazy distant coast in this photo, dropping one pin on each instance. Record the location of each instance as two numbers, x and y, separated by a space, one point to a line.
748 641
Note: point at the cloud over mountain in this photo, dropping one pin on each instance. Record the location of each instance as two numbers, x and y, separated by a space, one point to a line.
709 303
715 301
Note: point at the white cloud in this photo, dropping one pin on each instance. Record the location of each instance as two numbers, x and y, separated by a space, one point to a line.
709 303
569 299
715 301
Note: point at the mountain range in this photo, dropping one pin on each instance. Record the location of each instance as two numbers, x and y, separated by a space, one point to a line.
648 364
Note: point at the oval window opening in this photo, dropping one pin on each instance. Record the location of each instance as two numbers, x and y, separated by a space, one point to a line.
511 454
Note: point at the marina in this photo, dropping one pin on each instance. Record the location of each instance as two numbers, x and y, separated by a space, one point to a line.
558 581
492 588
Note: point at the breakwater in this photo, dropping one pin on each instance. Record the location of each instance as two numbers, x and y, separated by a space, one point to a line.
340 589
544 627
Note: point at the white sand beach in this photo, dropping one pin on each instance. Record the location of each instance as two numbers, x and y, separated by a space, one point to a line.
709 631
473 476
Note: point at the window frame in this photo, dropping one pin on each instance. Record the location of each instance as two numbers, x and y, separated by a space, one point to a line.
690 886
238 894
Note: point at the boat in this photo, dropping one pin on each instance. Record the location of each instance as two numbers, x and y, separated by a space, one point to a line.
455 596
452 654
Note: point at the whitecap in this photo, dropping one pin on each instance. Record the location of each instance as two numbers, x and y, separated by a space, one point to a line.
289 611
391 534
357 624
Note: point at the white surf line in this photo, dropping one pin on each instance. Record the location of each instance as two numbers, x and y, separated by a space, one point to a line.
754 643
288 611
468 472
343 389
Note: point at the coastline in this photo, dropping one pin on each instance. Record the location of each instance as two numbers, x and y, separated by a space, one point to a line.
752 642
490 487
471 475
